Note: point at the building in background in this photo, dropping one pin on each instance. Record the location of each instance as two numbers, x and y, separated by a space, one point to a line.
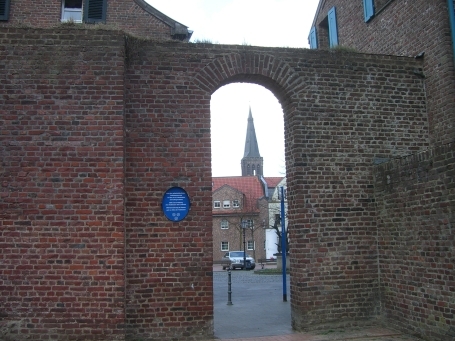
252 162
272 233
414 235
241 204
135 17
420 28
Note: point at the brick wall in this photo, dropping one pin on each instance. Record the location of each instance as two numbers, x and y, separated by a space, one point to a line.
110 137
169 265
126 15
405 28
349 119
415 198
61 208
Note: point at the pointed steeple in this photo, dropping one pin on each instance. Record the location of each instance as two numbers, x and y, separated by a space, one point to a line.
252 162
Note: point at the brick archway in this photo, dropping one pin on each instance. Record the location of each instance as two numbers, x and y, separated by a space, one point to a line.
95 135
263 68
329 99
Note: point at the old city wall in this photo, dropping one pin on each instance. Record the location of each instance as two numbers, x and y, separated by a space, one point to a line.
415 198
96 127
62 184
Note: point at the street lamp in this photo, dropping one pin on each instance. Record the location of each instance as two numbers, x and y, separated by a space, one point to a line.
244 226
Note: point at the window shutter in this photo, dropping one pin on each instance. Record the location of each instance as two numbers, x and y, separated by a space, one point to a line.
368 9
95 11
333 30
313 38
4 9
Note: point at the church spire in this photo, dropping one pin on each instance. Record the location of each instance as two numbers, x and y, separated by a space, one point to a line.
252 162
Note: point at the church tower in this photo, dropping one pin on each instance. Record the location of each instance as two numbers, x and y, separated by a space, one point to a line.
252 163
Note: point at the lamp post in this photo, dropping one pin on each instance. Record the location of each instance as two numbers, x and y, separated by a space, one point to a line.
244 223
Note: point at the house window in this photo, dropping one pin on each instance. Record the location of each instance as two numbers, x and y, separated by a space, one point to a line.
285 194
250 245
224 224
247 223
216 204
89 11
368 9
226 204
224 246
372 8
236 204
333 28
313 38
277 220
4 9
72 10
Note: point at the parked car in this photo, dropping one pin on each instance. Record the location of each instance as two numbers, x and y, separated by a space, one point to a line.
235 261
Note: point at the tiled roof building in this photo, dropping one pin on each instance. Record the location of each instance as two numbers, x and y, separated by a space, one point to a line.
243 198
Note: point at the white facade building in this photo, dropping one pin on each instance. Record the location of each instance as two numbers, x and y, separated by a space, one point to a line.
271 237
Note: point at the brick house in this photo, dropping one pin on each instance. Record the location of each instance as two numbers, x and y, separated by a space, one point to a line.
237 200
415 237
240 201
135 17
420 28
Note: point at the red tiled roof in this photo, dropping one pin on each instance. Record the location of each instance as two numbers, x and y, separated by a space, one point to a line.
248 185
273 181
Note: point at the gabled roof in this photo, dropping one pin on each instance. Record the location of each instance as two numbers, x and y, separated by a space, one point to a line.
178 30
229 187
250 186
273 181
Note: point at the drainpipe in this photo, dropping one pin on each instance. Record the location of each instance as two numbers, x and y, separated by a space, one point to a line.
452 23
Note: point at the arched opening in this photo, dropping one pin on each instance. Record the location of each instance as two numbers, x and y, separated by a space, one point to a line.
241 113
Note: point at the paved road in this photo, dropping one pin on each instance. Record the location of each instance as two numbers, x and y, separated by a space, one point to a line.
258 308
258 313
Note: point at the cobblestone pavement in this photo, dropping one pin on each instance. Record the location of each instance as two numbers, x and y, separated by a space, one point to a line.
258 313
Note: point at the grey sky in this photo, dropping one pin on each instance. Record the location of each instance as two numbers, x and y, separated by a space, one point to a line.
278 23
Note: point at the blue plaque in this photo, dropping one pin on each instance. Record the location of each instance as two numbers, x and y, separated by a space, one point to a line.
176 204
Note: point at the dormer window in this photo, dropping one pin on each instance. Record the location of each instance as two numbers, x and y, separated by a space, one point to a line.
72 10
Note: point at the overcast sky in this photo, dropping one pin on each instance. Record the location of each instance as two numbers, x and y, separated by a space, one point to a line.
280 23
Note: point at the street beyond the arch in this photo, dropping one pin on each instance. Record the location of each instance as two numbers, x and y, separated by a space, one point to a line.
258 313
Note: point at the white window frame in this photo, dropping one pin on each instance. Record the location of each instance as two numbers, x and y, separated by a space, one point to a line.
235 204
224 246
224 226
250 245
249 223
67 13
226 203
217 204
